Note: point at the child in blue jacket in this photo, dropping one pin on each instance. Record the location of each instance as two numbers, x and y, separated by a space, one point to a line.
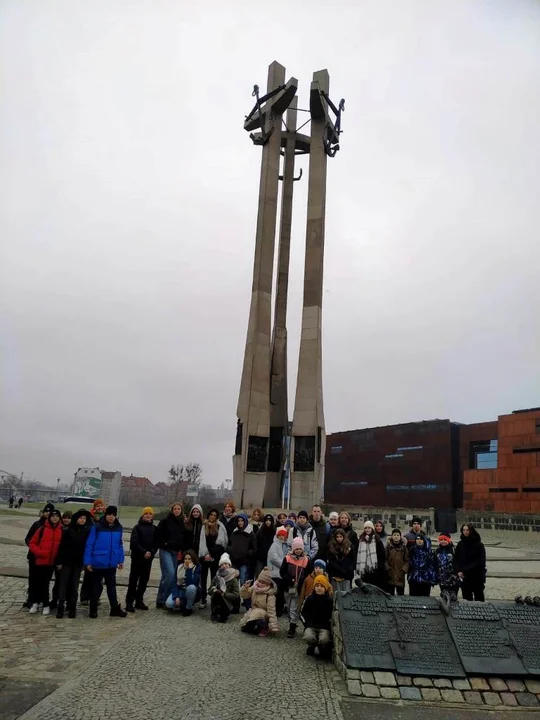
188 588
103 555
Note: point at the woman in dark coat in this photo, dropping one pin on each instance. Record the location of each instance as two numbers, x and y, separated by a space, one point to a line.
193 527
265 538
170 539
470 563
69 561
143 548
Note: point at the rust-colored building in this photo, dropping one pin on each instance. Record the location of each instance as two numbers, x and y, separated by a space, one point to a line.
512 483
490 466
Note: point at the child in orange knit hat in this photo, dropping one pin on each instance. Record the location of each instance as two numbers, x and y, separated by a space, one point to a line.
317 619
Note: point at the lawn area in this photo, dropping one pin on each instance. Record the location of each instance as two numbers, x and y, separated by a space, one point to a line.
125 512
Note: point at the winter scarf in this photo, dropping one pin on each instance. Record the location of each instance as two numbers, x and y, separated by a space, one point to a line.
367 555
223 576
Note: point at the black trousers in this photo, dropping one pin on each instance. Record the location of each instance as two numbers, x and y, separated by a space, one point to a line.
68 585
396 590
219 607
419 589
32 576
42 579
86 588
207 567
473 589
138 579
109 576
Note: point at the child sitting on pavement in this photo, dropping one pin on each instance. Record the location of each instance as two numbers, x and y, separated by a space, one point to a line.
261 617
319 568
188 587
224 591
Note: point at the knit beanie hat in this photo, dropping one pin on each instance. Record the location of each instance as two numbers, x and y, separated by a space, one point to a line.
397 531
320 563
369 524
148 510
268 517
443 536
333 515
297 544
416 519
55 512
49 507
282 531
265 577
112 510
303 513
288 523
98 501
322 580
225 559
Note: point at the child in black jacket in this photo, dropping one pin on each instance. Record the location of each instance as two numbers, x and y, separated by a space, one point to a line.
317 618
143 548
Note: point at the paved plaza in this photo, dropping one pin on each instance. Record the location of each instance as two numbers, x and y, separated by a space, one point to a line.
153 664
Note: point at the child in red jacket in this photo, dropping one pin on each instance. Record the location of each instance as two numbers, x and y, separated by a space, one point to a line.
44 547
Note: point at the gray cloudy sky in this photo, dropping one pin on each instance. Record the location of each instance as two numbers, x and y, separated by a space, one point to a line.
128 206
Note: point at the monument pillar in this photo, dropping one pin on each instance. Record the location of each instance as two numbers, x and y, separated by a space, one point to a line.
309 438
250 460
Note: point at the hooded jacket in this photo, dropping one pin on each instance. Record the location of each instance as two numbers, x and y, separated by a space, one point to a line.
444 567
242 545
143 539
265 538
341 565
170 533
193 528
397 562
276 556
470 556
45 543
104 547
220 545
421 564
293 571
74 539
307 533
229 523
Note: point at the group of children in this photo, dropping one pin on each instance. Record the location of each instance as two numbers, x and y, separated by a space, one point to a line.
291 563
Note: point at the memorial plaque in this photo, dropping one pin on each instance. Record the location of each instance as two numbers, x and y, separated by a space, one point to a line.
483 642
422 644
523 624
366 623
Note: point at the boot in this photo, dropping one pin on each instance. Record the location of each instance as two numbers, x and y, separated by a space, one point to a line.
160 605
72 613
93 614
117 612
310 650
139 605
60 612
129 608
292 630
186 612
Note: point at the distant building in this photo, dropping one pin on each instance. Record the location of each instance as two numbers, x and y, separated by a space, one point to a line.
438 463
87 482
111 486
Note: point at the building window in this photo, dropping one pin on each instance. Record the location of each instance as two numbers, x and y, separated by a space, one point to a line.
304 453
483 455
256 455
336 449
537 426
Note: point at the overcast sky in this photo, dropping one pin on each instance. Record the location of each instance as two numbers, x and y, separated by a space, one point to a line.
128 199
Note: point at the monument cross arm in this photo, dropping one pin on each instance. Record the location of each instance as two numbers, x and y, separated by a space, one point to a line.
276 101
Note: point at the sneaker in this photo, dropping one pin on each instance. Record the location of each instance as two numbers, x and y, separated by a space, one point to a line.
203 605
291 632
60 613
33 610
186 612
141 606
46 610
117 612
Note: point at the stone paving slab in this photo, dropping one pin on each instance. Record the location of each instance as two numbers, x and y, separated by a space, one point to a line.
359 710
18 696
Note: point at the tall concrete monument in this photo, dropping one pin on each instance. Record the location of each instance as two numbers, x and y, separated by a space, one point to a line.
263 401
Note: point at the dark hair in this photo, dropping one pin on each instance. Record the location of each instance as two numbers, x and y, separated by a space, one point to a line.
333 545
67 514
193 555
473 532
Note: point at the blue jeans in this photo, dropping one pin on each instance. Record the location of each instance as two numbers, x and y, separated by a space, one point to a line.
244 575
169 565
187 599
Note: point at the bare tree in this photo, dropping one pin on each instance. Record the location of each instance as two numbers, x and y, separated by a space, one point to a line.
193 473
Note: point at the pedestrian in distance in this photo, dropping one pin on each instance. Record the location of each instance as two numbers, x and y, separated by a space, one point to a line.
421 575
212 544
294 569
317 618
20 503
371 558
11 501
224 591
103 556
265 538
188 585
70 560
142 546
170 539
470 563
193 526
341 560
447 577
261 618
44 547
397 563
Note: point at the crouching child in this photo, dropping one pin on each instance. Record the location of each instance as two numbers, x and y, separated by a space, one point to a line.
188 587
261 617
224 591
317 619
